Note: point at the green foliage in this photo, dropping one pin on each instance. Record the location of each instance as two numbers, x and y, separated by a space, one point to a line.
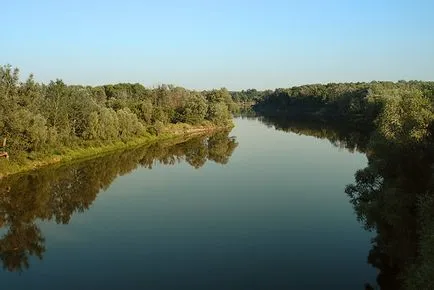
195 109
107 124
401 111
249 96
8 82
128 124
160 115
221 96
407 118
37 117
216 96
218 113
30 129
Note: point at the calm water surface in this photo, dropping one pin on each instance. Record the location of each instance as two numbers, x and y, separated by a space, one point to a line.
253 209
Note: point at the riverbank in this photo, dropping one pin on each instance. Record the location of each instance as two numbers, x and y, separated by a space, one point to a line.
89 150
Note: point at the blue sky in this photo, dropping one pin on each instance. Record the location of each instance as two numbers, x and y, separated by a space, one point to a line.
219 43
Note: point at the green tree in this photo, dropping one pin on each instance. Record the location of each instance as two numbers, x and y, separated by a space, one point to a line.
195 109
407 119
218 113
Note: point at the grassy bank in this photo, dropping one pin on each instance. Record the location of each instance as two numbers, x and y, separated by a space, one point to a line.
88 150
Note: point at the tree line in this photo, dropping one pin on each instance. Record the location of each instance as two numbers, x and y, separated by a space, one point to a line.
355 104
248 96
38 118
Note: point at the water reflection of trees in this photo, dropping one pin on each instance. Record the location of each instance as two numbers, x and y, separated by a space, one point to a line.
339 135
57 193
393 196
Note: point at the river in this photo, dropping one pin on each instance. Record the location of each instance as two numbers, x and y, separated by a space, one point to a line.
254 208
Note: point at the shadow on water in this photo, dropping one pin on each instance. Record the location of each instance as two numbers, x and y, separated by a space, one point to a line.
56 193
392 197
339 135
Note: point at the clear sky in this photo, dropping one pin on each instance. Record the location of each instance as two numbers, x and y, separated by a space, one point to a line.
219 43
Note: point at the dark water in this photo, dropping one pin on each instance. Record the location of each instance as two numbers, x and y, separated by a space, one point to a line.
255 208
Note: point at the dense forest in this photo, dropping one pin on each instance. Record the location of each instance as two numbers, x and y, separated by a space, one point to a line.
355 104
249 96
41 119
